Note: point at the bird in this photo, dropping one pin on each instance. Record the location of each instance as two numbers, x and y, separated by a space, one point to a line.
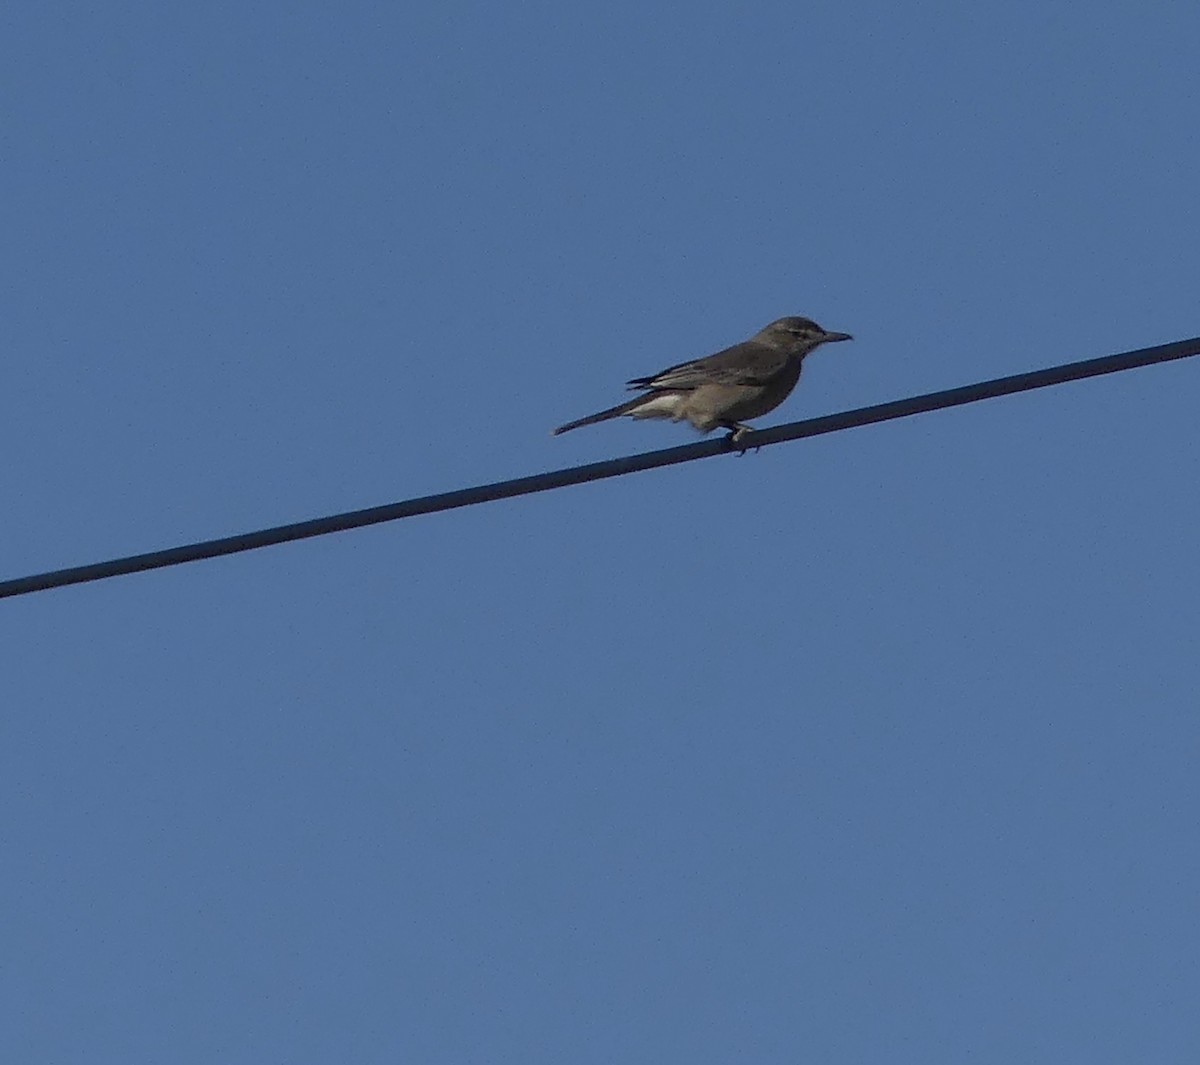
727 389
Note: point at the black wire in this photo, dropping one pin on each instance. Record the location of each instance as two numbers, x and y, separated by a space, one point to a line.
542 482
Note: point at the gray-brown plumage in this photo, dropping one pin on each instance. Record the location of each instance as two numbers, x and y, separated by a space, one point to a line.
726 389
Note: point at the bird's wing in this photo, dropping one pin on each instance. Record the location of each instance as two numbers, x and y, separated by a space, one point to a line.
747 363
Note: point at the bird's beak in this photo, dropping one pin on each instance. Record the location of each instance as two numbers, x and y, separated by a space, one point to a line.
828 338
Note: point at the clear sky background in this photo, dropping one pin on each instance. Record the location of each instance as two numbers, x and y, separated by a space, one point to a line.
881 746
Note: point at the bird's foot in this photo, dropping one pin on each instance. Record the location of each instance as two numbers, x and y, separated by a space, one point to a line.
737 437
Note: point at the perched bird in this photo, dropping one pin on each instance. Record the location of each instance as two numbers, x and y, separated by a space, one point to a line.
728 388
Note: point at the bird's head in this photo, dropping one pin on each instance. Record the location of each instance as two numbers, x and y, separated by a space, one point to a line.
795 332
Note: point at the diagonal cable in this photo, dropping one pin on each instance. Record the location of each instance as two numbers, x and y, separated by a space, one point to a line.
544 482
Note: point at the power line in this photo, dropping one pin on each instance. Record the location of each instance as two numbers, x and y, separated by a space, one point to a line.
542 482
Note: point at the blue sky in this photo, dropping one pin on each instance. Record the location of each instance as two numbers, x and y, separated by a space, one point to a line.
880 746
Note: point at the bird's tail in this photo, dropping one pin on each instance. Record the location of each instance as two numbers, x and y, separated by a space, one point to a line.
613 412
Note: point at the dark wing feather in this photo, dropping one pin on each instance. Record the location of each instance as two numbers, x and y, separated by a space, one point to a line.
747 363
